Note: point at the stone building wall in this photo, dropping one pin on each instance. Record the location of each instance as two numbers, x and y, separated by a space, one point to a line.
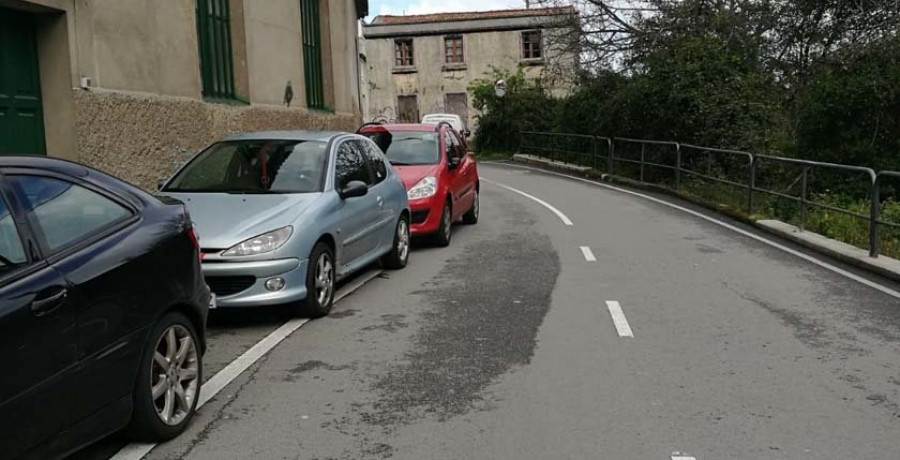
143 138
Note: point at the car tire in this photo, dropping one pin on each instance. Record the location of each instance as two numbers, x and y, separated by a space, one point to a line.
399 255
320 282
445 230
471 216
176 387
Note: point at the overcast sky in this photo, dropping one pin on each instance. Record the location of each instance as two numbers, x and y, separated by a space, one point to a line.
377 7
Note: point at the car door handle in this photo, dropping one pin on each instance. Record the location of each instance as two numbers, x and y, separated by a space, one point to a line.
380 201
46 305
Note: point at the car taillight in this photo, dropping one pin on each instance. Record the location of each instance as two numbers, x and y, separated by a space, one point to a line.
192 235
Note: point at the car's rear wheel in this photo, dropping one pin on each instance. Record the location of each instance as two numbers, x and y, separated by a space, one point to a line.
445 230
471 216
168 384
399 255
320 282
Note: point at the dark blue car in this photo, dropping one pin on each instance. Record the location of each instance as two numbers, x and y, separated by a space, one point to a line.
102 309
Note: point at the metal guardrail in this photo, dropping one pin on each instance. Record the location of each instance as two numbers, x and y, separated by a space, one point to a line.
559 147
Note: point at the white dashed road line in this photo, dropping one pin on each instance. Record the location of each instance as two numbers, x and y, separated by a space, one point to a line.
619 320
588 254
543 203
808 258
218 382
682 457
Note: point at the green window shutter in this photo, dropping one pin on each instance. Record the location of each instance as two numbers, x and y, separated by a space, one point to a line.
214 40
312 54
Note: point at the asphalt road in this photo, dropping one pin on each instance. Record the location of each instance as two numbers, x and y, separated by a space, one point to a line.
508 345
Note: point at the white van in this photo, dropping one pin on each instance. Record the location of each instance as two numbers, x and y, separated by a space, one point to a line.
454 120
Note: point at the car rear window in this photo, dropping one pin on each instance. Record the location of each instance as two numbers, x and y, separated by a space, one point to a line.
407 147
255 166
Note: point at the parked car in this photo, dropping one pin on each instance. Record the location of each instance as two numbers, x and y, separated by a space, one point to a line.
455 121
102 309
440 176
284 215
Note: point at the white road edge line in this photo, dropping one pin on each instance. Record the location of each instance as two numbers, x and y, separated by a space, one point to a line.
218 382
813 260
619 320
588 254
543 203
682 457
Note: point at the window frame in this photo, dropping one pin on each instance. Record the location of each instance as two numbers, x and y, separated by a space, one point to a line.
34 260
399 56
401 116
217 81
53 256
448 144
337 151
462 50
311 42
457 144
525 49
372 153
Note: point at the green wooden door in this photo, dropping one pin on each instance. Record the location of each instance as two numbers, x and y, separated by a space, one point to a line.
21 114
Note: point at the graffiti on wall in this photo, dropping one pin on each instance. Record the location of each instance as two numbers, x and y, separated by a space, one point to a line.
386 115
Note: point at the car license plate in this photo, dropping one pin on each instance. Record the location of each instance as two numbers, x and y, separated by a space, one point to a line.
212 301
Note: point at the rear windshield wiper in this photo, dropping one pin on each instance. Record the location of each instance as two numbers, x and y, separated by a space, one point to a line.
399 163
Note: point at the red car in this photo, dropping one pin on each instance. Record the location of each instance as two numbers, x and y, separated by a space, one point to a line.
441 178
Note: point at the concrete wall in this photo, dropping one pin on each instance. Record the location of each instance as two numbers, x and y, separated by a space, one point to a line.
141 46
145 107
432 79
142 138
344 29
274 50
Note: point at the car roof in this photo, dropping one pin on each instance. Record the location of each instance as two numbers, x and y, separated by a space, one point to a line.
320 136
443 115
46 163
423 127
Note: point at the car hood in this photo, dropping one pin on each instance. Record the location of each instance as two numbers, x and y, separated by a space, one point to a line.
224 220
412 174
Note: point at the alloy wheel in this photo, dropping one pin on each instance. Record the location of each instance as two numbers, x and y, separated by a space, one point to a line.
324 279
174 374
403 240
446 223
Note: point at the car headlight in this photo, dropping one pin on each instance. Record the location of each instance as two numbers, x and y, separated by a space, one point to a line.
261 244
423 189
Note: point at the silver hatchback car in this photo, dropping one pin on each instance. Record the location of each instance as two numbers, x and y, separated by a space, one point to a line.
282 216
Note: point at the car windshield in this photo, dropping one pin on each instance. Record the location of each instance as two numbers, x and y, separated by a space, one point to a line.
255 166
408 147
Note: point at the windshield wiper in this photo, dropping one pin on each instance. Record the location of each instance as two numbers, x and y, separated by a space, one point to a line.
399 163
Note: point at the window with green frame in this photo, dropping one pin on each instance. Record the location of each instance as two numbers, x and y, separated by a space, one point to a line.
312 54
214 37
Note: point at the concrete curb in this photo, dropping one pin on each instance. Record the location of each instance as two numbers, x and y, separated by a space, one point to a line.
849 254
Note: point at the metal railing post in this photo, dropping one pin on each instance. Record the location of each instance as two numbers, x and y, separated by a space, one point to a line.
521 142
874 215
677 166
552 147
643 148
803 199
595 143
751 184
612 150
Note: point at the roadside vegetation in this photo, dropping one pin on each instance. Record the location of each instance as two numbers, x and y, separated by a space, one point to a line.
818 80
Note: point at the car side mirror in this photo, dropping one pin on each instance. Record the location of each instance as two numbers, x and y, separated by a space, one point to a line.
354 189
454 162
466 133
